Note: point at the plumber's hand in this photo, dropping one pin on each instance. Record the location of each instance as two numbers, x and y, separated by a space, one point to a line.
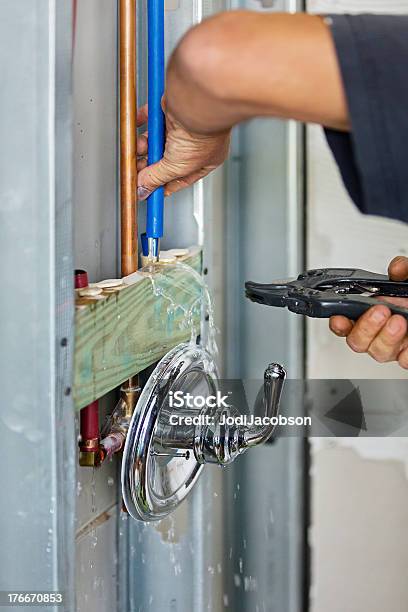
382 336
187 157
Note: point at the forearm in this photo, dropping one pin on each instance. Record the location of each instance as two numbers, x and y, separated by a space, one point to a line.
242 64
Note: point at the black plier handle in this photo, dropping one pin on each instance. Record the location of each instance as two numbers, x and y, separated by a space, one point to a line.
326 292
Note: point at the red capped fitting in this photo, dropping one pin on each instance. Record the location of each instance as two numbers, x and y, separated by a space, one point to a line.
90 425
89 454
89 451
81 279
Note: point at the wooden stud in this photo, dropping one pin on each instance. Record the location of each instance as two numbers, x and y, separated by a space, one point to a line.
129 330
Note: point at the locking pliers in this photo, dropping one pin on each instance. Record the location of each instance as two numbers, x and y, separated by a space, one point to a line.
331 291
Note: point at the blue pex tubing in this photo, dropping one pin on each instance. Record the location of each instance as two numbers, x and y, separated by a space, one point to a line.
155 202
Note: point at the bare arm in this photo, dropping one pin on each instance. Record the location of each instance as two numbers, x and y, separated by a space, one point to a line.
235 66
242 64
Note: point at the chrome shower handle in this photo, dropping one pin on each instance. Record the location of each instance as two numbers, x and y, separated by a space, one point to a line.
222 443
274 379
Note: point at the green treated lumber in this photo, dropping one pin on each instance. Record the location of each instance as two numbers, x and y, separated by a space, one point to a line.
131 329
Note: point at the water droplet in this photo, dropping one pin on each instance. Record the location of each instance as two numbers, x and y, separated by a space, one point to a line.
93 492
177 569
250 583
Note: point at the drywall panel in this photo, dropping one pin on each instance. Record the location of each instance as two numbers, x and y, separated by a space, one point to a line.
358 486
359 533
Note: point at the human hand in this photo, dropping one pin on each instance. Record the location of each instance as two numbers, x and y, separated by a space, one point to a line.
377 332
187 157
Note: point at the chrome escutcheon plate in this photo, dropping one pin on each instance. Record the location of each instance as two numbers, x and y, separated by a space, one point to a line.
155 480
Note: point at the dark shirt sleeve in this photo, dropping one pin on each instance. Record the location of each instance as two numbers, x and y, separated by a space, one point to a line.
373 159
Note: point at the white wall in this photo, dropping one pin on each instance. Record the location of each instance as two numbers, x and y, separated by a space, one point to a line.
359 532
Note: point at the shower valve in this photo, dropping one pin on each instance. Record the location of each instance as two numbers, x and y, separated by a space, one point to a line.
169 442
219 435
223 440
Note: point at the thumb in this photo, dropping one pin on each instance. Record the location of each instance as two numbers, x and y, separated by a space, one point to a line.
398 269
154 176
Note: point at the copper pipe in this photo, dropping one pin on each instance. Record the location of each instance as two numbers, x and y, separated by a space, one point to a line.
119 421
128 154
128 208
128 169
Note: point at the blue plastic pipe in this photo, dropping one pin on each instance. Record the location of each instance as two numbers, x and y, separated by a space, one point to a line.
155 202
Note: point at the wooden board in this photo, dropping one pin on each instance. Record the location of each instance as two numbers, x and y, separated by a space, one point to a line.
129 330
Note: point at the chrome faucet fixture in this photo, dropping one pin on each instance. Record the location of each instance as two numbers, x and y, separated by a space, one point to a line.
217 438
223 443
168 444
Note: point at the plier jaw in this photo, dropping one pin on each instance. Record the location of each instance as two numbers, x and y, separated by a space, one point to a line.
326 292
272 294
